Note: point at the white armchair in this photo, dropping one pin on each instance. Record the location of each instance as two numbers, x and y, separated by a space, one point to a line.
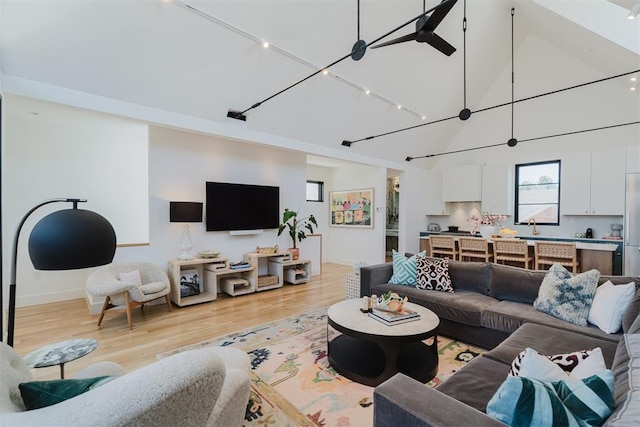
153 283
205 387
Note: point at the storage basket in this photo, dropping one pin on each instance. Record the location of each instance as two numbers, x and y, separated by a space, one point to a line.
352 288
267 280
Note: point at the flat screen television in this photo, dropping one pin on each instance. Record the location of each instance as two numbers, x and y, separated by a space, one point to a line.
242 207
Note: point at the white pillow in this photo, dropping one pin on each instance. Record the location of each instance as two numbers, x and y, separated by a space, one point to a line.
609 305
535 365
131 277
591 365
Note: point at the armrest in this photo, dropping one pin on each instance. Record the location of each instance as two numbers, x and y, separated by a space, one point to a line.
402 401
179 390
372 275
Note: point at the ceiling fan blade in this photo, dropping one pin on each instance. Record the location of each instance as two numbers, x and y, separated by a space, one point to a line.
407 38
441 44
438 15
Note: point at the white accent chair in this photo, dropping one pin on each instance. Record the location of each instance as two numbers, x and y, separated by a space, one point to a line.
128 294
204 387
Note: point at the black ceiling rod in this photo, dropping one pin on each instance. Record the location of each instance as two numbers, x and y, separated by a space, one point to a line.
465 113
360 47
512 141
348 143
257 104
409 158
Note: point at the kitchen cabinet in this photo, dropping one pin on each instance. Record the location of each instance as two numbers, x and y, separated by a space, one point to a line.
462 183
497 189
435 203
593 183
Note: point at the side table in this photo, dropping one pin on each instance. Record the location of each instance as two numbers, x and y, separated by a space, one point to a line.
60 353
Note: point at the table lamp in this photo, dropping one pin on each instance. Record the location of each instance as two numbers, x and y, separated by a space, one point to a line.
68 239
185 212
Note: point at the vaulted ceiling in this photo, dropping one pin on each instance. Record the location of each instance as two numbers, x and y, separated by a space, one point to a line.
201 58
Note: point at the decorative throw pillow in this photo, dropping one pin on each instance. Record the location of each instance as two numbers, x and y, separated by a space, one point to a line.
39 394
569 402
565 296
131 277
609 304
433 274
404 269
580 364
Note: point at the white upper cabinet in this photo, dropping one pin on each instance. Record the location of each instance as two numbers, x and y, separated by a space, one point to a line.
435 204
497 189
593 183
462 183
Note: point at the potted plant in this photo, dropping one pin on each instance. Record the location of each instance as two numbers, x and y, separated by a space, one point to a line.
296 227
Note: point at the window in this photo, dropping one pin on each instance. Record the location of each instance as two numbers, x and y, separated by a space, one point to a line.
538 193
315 191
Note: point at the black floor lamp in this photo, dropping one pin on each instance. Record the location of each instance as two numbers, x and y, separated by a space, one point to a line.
68 239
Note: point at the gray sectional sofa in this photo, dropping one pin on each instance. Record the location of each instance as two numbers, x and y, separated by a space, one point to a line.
492 307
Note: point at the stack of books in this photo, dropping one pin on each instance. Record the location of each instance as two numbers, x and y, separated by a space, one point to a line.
394 317
238 265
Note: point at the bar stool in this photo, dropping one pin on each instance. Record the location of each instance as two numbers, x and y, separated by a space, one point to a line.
511 250
474 247
563 253
443 246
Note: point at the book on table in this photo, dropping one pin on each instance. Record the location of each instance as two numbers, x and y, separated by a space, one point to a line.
394 317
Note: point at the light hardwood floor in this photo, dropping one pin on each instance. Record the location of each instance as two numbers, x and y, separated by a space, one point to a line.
157 330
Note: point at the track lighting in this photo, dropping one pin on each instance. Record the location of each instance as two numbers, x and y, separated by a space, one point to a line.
347 143
635 10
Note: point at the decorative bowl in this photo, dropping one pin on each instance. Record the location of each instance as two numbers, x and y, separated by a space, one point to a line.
208 254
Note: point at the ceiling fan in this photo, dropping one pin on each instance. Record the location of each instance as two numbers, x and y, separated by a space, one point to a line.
425 27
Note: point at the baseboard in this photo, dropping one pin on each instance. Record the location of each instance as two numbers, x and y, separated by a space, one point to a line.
45 298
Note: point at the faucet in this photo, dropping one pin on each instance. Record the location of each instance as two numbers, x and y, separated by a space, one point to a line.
535 230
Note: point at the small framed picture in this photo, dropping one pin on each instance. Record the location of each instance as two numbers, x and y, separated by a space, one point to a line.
352 208
189 283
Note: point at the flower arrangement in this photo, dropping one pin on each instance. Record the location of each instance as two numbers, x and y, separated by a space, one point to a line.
486 218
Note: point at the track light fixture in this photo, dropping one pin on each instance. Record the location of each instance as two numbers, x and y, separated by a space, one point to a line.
465 113
635 10
347 143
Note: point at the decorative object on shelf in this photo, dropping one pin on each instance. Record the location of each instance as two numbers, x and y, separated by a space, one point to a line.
352 208
189 283
486 223
69 239
267 249
267 280
296 228
615 230
208 254
185 212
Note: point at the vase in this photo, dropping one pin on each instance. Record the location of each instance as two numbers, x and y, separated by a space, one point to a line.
295 253
487 231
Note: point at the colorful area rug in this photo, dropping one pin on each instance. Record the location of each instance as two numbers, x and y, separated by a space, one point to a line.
292 382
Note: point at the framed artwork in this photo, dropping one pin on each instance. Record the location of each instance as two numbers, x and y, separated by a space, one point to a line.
189 283
352 208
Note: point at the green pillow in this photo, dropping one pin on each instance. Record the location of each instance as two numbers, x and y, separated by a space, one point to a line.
39 394
405 270
524 401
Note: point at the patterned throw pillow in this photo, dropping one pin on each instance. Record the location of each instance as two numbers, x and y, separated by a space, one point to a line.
404 269
433 274
566 361
569 402
565 296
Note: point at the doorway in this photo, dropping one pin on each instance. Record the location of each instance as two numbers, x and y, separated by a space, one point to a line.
393 215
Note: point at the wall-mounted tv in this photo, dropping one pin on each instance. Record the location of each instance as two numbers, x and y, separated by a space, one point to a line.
242 207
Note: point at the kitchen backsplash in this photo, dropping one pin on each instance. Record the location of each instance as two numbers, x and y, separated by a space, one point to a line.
569 225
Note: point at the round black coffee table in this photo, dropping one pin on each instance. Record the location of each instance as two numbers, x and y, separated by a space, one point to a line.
369 352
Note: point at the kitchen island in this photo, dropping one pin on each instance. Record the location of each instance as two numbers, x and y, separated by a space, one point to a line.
602 255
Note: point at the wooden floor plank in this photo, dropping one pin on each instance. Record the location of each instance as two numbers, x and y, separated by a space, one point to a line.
157 330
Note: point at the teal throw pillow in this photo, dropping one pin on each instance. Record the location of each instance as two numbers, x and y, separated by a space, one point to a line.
39 394
571 402
405 270
566 296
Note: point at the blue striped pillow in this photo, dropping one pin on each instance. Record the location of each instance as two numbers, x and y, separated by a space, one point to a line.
405 270
572 402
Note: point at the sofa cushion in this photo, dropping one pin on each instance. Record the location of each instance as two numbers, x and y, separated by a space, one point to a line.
626 370
476 382
470 276
514 283
404 269
566 296
433 274
549 340
609 304
633 311
569 402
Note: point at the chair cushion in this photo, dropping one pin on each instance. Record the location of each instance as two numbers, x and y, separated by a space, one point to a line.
39 394
130 277
153 288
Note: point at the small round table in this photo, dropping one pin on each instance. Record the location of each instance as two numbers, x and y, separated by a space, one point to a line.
60 353
369 352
